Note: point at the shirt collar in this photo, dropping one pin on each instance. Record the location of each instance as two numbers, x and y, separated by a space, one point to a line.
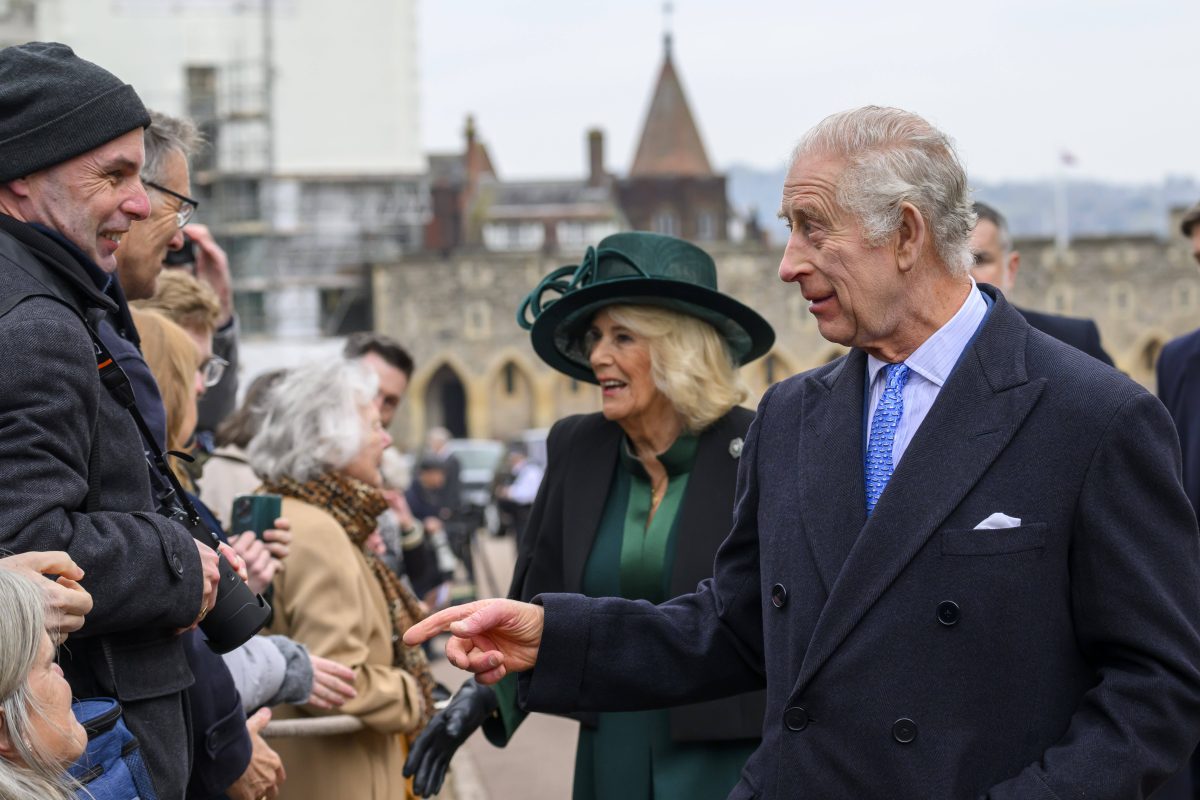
934 360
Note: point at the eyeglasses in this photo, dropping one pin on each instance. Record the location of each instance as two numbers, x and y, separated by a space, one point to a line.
187 206
212 369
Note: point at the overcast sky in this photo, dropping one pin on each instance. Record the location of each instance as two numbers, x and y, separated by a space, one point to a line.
1014 82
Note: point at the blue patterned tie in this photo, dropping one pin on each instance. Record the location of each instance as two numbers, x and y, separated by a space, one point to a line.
878 468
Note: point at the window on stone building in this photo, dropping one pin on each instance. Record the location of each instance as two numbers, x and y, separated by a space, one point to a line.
510 379
574 386
514 235
666 223
201 100
1184 296
477 322
578 234
251 310
706 226
1120 297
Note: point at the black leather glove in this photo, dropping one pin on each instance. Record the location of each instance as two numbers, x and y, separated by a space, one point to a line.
431 752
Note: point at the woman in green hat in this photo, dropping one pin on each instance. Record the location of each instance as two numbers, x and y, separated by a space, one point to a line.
635 501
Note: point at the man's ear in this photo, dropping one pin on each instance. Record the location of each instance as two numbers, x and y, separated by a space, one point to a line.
1014 265
18 186
909 237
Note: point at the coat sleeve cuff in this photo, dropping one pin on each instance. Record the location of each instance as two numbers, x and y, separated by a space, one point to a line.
554 683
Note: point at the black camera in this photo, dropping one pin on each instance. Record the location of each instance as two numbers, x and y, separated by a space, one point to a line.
238 613
184 255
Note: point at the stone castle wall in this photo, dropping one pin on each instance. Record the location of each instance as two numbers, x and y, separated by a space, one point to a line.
457 314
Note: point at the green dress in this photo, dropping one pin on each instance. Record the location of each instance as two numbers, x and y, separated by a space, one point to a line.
630 755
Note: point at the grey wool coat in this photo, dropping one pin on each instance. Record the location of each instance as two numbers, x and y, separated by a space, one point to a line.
61 434
909 654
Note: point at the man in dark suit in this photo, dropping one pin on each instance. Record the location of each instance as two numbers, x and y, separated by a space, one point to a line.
997 263
962 562
1179 389
1179 379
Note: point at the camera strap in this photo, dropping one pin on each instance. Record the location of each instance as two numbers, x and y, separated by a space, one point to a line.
120 389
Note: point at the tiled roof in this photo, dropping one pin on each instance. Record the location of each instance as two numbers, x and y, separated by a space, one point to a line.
670 143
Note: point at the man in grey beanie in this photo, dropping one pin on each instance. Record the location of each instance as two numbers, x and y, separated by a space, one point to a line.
73 475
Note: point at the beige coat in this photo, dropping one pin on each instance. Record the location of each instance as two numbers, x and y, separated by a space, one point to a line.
328 599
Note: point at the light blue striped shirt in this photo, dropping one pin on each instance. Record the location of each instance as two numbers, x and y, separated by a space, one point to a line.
929 367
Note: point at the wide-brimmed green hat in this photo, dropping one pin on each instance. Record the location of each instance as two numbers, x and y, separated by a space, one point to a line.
635 269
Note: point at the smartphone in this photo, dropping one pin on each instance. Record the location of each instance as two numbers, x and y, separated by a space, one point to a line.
254 512
184 255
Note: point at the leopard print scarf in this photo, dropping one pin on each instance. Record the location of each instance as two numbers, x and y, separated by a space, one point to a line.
356 506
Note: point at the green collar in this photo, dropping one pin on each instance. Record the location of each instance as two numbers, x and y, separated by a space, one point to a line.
677 459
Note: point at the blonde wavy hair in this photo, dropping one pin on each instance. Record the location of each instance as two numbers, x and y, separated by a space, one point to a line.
173 360
689 361
183 299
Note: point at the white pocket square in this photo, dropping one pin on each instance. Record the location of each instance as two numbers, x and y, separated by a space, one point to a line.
996 521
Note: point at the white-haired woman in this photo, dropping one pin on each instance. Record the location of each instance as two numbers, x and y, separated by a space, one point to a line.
320 447
39 736
635 502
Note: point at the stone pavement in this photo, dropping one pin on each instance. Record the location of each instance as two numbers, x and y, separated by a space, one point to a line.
539 761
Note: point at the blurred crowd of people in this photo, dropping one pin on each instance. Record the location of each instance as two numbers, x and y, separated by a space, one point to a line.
137 496
133 488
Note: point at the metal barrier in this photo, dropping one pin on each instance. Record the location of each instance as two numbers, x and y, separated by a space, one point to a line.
312 726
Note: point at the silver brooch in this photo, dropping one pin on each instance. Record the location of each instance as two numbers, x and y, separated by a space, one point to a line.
735 447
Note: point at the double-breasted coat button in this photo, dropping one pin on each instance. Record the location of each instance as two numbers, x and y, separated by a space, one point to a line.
177 563
904 730
795 718
948 613
778 595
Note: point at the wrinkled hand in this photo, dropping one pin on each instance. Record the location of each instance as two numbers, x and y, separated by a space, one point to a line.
333 683
212 267
67 603
489 637
279 539
260 564
210 580
431 752
265 774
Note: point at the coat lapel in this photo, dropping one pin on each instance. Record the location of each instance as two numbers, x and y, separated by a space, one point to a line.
584 493
706 511
831 466
983 404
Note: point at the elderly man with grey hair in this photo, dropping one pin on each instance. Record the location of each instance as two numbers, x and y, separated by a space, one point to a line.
961 560
170 142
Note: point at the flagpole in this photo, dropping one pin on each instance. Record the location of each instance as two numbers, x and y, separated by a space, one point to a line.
1062 230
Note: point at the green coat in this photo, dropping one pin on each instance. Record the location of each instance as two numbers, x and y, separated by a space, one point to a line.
601 498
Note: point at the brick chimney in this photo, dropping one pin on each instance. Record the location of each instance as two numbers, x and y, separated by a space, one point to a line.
596 174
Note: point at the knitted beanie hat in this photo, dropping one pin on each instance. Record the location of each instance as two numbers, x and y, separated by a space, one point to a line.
55 106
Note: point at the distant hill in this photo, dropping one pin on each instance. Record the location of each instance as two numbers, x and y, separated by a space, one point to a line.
1094 207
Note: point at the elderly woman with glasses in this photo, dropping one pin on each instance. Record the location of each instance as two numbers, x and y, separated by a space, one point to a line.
635 502
320 447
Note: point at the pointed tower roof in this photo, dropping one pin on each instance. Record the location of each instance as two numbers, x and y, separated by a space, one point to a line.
670 143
